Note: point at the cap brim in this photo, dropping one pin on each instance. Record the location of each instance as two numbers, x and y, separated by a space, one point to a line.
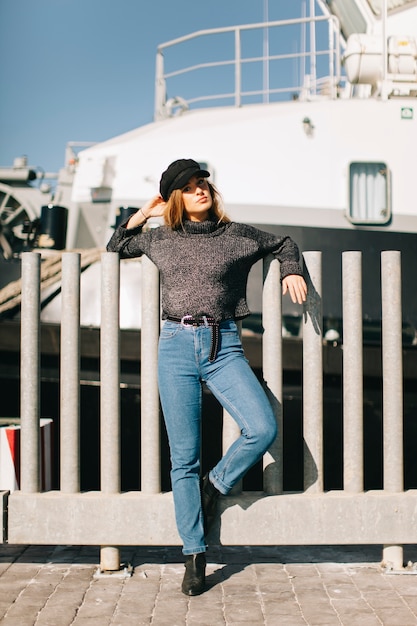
187 175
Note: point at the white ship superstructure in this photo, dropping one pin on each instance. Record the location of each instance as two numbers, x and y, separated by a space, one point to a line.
315 140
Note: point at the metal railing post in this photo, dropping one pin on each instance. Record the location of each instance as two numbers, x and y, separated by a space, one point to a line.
160 87
238 69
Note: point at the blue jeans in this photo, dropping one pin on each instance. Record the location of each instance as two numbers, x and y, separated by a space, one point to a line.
182 367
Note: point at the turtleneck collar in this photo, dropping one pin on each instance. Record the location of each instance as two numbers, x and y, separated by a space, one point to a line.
209 226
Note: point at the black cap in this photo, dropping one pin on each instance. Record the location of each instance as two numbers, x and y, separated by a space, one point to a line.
178 174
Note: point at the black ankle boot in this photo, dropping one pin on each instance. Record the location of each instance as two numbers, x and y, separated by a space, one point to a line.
209 496
194 581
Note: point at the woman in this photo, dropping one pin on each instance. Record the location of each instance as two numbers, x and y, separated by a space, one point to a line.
204 261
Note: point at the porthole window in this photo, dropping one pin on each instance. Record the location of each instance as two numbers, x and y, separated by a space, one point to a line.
369 193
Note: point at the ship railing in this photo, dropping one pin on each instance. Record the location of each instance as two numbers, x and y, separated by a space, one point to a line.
111 518
272 75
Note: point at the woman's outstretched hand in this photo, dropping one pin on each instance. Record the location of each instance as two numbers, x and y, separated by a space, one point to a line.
296 286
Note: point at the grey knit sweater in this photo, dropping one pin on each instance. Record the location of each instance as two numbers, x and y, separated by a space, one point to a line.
204 266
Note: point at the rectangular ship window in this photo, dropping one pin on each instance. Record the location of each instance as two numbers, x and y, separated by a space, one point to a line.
369 193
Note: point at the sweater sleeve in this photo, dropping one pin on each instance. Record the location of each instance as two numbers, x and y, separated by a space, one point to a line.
283 248
288 255
130 242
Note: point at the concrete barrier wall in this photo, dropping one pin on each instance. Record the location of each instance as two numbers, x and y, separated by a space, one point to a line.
109 518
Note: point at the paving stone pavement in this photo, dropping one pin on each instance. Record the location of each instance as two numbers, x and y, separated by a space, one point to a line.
268 586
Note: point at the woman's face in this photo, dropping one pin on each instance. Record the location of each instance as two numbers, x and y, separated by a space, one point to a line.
197 199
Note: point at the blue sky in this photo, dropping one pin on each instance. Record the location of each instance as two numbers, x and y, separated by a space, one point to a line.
83 70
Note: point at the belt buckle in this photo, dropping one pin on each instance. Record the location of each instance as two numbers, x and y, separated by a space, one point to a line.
185 318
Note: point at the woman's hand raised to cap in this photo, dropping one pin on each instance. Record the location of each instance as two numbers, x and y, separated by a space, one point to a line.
296 286
155 207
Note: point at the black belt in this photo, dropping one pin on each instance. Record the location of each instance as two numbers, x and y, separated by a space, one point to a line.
202 320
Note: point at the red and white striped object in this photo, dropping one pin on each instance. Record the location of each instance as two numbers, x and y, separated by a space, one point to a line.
10 455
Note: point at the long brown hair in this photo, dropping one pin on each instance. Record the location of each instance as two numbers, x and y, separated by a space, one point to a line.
174 211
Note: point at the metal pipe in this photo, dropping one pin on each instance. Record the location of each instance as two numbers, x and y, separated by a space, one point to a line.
313 375
352 372
238 69
272 369
30 373
110 374
241 28
333 83
150 413
336 49
23 175
160 87
313 69
70 373
265 46
384 68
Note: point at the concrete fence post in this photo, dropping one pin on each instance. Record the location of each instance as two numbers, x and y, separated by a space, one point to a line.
70 374
353 475
272 369
150 413
231 432
30 373
392 372
313 375
110 462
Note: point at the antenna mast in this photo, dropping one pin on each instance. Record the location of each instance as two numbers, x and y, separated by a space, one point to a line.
266 54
